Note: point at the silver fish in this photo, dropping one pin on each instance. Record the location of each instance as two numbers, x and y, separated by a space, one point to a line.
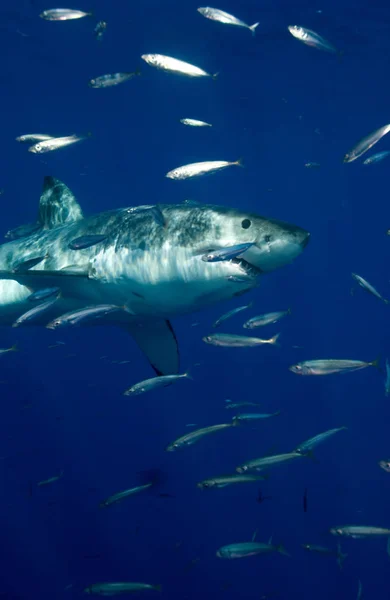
154 383
195 436
366 143
56 143
25 265
214 14
311 38
174 65
385 465
312 165
83 315
35 312
195 123
111 79
221 482
244 549
22 231
329 366
360 531
307 446
111 589
226 253
237 341
200 168
13 348
234 405
248 417
231 313
44 294
340 556
387 381
100 30
63 14
86 241
266 462
368 287
50 480
266 319
33 138
360 591
375 158
124 494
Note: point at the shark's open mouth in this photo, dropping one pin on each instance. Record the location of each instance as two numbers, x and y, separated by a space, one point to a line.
247 269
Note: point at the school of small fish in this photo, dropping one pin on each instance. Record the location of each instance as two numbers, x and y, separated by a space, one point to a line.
254 469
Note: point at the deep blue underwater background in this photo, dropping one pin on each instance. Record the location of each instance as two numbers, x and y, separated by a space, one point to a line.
278 104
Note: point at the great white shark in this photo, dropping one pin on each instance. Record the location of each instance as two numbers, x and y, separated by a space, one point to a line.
153 266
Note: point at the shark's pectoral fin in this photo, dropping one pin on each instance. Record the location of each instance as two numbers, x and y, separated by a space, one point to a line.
37 280
158 342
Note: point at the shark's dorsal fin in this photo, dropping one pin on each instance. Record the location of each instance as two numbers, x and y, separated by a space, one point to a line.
57 204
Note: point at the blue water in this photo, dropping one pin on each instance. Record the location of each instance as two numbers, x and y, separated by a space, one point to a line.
278 104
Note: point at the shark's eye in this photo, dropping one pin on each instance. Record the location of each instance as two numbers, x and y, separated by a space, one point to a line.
246 223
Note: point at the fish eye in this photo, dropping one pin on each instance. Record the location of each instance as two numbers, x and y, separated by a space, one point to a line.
38 147
246 223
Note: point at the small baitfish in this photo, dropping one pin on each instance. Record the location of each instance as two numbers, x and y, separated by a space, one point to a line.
86 241
154 383
195 436
306 447
340 556
360 531
56 143
195 123
366 143
387 380
221 482
266 462
44 294
249 417
229 340
174 65
233 405
201 168
230 314
50 480
111 79
311 38
124 494
245 549
266 319
13 348
368 287
22 231
226 253
63 14
375 158
25 265
112 589
33 138
82 315
328 366
214 14
385 465
100 30
35 312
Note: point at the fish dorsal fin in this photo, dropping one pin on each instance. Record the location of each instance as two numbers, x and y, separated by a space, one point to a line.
57 204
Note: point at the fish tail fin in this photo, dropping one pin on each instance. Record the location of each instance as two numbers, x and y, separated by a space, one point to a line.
386 301
288 311
282 550
14 348
236 422
376 363
274 340
310 454
187 375
137 71
340 55
215 76
158 587
277 413
253 28
341 556
239 162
